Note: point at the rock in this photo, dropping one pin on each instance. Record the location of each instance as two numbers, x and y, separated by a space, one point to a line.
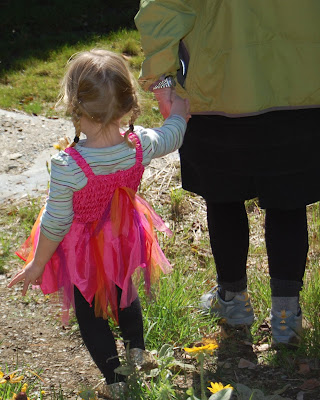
15 156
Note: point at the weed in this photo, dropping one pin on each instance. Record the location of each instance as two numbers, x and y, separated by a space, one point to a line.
15 225
177 196
131 47
311 310
34 108
22 380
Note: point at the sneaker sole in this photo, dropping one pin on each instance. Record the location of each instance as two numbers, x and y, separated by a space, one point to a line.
240 321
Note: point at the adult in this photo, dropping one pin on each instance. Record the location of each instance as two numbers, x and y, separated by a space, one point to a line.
250 70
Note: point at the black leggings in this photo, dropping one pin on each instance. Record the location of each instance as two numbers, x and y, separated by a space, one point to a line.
99 339
286 235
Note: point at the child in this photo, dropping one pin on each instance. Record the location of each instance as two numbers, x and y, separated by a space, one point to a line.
95 232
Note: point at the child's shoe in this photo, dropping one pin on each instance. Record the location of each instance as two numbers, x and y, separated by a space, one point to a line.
286 328
143 360
235 312
113 391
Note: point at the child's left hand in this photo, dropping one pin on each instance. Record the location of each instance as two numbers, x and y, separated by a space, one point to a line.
32 273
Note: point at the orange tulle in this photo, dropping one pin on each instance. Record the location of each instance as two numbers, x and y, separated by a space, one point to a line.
26 251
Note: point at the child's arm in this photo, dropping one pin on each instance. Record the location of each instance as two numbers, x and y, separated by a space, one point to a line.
158 142
33 271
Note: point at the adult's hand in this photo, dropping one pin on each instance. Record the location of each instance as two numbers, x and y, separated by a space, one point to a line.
163 97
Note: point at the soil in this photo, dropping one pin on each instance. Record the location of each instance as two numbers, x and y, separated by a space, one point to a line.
31 334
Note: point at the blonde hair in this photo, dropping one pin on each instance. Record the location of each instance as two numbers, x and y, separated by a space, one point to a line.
99 86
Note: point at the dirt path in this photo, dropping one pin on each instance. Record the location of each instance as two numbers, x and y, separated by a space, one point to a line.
31 338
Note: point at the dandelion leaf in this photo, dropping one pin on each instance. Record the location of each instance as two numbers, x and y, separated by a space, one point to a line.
166 351
245 393
224 394
125 370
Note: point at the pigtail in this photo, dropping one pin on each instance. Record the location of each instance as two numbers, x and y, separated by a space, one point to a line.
135 113
75 116
126 136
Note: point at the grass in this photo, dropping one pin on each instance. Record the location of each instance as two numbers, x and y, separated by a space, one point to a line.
33 30
16 222
34 88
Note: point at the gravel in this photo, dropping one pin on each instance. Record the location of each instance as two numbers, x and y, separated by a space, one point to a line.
26 148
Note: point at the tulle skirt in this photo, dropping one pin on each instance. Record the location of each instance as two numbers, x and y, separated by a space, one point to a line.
100 255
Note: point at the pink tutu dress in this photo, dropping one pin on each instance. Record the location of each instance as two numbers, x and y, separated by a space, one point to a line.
110 241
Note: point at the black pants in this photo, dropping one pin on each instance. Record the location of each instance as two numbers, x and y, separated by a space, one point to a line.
99 339
286 235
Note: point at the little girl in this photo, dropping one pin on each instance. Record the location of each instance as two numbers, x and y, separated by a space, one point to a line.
95 233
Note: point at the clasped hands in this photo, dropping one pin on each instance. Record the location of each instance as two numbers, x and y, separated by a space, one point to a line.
170 103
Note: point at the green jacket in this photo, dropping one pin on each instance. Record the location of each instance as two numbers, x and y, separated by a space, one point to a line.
246 56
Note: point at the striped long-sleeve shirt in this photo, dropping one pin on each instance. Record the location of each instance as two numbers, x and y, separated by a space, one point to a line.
67 177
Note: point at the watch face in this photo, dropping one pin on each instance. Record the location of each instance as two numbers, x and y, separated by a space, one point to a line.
171 81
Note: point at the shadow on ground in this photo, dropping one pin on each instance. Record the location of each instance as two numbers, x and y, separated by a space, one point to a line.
32 29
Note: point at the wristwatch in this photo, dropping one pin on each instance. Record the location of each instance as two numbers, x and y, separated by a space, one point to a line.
167 82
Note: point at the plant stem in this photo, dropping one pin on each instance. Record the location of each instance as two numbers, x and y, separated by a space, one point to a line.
202 385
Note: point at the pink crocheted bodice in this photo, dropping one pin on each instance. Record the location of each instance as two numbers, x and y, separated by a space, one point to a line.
90 202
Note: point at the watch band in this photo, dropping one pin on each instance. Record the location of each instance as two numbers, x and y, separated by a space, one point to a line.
167 82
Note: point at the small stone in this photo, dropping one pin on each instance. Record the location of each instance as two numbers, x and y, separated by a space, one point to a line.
15 156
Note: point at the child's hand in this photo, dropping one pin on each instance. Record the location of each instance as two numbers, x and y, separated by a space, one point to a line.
32 273
180 106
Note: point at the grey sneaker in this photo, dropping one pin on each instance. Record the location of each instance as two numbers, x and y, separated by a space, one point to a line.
235 312
113 391
286 328
143 360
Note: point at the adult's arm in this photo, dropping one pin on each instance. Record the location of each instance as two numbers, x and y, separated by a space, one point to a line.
162 24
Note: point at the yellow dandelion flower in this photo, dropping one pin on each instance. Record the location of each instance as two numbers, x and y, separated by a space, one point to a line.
12 378
2 380
209 340
208 349
217 386
62 144
24 387
15 379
